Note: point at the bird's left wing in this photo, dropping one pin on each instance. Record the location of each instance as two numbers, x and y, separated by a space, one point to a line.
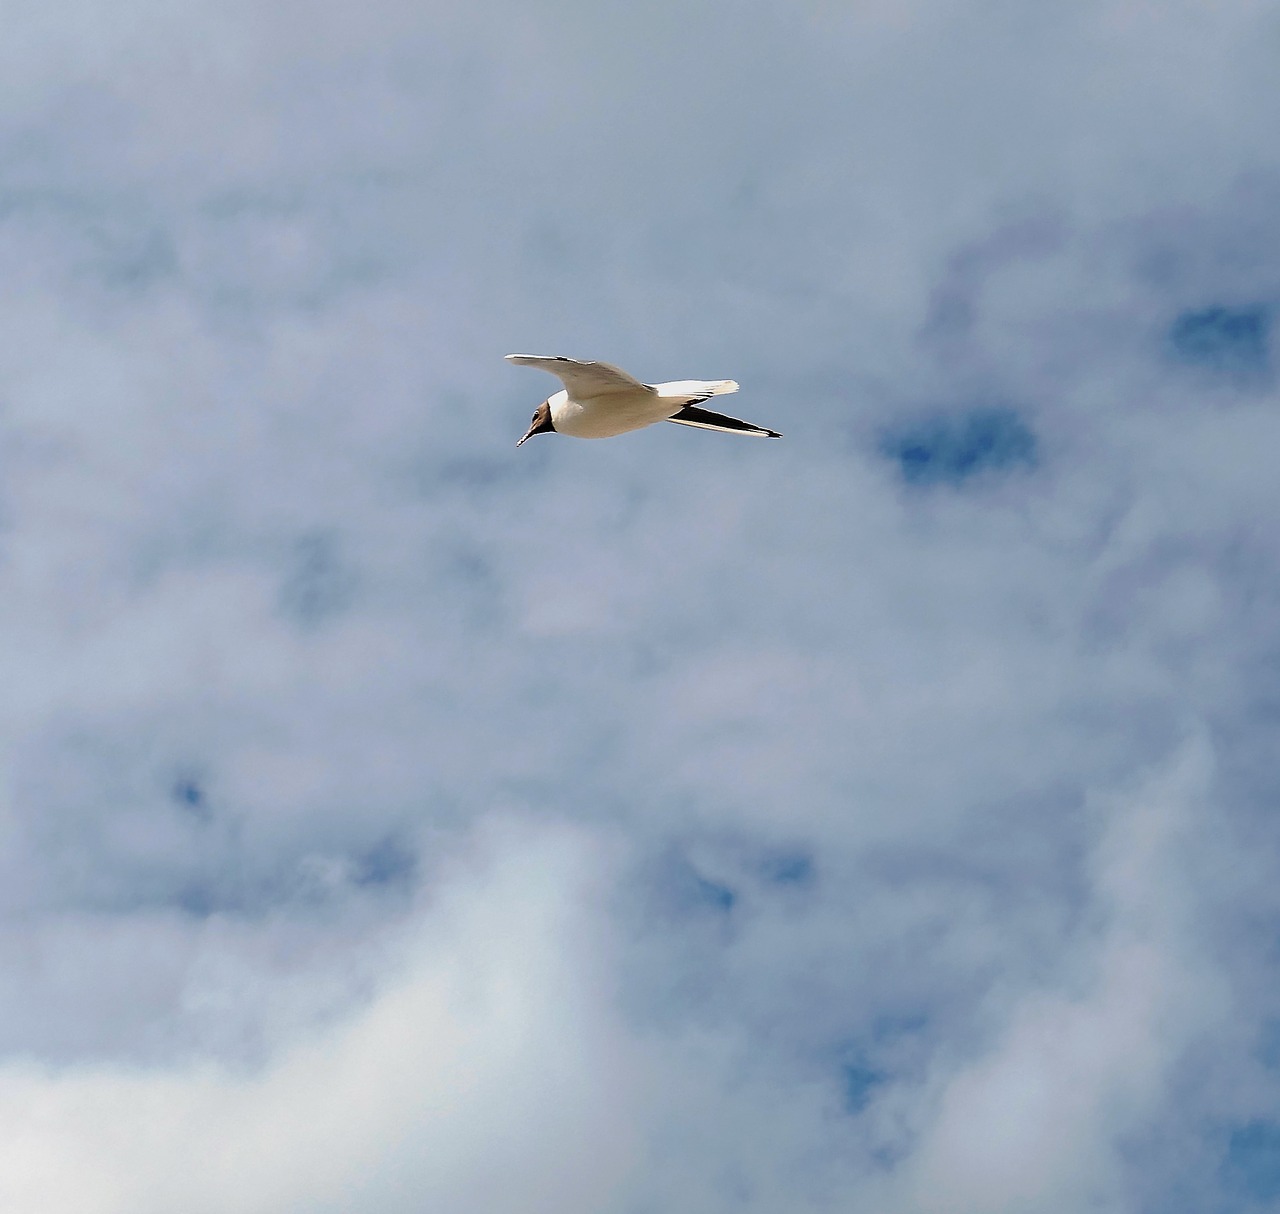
582 379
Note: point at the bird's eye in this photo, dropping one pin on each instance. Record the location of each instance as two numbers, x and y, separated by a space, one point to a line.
534 417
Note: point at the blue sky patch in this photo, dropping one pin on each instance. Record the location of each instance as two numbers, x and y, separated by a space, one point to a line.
188 792
858 1081
950 450
788 868
712 894
1269 1045
189 795
318 585
1253 1160
388 862
198 901
685 890
1227 341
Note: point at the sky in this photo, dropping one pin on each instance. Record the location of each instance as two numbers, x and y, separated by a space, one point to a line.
884 818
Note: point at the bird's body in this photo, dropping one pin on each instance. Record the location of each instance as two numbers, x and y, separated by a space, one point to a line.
600 401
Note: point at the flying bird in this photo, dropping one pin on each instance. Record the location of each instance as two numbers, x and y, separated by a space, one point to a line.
599 401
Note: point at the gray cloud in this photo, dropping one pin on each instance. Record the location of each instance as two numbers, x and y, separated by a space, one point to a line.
394 819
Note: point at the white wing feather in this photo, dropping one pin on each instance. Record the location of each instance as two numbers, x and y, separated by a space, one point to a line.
582 379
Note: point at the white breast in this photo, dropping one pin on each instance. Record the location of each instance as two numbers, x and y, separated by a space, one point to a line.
605 416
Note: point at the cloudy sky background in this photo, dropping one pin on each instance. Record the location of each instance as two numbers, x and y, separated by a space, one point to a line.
880 819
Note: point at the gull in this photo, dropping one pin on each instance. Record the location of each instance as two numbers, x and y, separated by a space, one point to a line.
599 401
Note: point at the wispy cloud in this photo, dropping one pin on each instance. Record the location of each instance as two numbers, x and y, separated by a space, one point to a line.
883 817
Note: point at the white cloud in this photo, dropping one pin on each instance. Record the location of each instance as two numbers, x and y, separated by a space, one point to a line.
1037 1122
283 614
482 1072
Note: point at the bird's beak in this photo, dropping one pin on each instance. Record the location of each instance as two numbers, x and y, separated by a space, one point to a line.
528 436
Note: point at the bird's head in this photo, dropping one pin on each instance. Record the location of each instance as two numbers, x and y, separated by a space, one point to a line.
541 422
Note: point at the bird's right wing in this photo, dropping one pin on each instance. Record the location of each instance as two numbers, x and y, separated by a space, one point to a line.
704 419
582 379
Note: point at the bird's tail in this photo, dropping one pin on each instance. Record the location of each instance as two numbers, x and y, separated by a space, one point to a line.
696 389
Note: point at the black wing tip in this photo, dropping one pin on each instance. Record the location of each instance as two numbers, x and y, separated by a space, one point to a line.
691 415
544 358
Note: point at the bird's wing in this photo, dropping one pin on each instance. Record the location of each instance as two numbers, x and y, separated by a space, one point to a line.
691 415
582 379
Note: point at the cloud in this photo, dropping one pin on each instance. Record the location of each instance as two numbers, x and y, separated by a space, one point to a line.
1037 1121
938 810
481 1056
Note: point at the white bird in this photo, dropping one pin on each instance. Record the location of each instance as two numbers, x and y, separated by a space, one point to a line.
599 401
